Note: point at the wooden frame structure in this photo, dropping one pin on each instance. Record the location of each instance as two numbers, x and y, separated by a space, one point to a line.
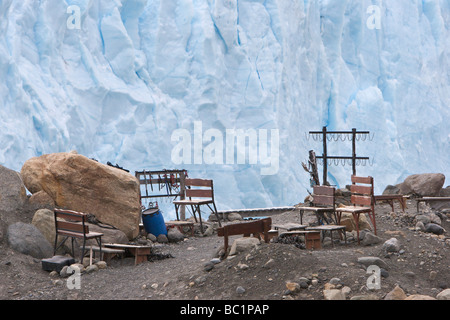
152 180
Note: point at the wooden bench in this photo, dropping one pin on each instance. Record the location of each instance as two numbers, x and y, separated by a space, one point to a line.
390 198
429 199
72 224
140 253
255 228
107 253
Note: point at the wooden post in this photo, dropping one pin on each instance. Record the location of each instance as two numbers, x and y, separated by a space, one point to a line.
182 195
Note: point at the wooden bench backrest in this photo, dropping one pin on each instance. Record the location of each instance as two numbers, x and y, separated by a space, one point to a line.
70 221
259 226
324 196
206 190
362 195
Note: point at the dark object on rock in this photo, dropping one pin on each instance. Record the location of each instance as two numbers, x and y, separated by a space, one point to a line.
56 263
117 166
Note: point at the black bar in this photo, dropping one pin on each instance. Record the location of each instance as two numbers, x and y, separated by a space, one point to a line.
343 132
350 158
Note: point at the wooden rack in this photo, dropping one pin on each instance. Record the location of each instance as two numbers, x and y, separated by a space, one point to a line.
153 180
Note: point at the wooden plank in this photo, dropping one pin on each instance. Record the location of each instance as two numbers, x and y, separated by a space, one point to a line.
361 200
159 181
323 200
199 193
72 227
364 180
361 189
258 226
323 190
69 215
198 182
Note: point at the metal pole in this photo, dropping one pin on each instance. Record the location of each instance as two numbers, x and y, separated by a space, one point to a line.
182 195
325 160
354 151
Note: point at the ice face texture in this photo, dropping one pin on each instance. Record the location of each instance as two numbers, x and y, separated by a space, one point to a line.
119 86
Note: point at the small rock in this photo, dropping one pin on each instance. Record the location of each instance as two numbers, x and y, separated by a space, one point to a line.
365 297
101 264
410 274
434 228
293 287
368 261
242 266
208 266
91 268
269 263
420 226
371 239
433 275
444 295
162 238
419 297
174 235
391 245
151 237
396 294
333 294
335 281
54 274
240 290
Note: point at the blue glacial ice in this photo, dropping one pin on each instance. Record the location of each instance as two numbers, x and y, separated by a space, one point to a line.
137 71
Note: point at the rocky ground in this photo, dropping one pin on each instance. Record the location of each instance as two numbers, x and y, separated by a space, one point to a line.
274 271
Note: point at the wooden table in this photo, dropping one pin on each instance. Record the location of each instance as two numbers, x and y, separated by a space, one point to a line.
391 198
140 253
330 228
426 199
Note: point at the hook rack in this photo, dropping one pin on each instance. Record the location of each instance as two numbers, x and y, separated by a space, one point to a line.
352 136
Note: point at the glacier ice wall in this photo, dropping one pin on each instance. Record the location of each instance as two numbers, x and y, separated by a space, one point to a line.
136 71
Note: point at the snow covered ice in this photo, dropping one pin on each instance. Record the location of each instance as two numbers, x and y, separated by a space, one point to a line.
116 79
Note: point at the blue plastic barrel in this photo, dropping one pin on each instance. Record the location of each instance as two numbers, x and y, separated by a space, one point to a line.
153 221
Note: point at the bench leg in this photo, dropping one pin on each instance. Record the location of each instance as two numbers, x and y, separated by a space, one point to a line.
217 215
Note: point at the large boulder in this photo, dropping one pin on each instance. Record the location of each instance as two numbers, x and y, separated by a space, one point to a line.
13 195
78 183
425 185
27 239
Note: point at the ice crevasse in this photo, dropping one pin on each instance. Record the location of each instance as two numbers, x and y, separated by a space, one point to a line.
131 81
